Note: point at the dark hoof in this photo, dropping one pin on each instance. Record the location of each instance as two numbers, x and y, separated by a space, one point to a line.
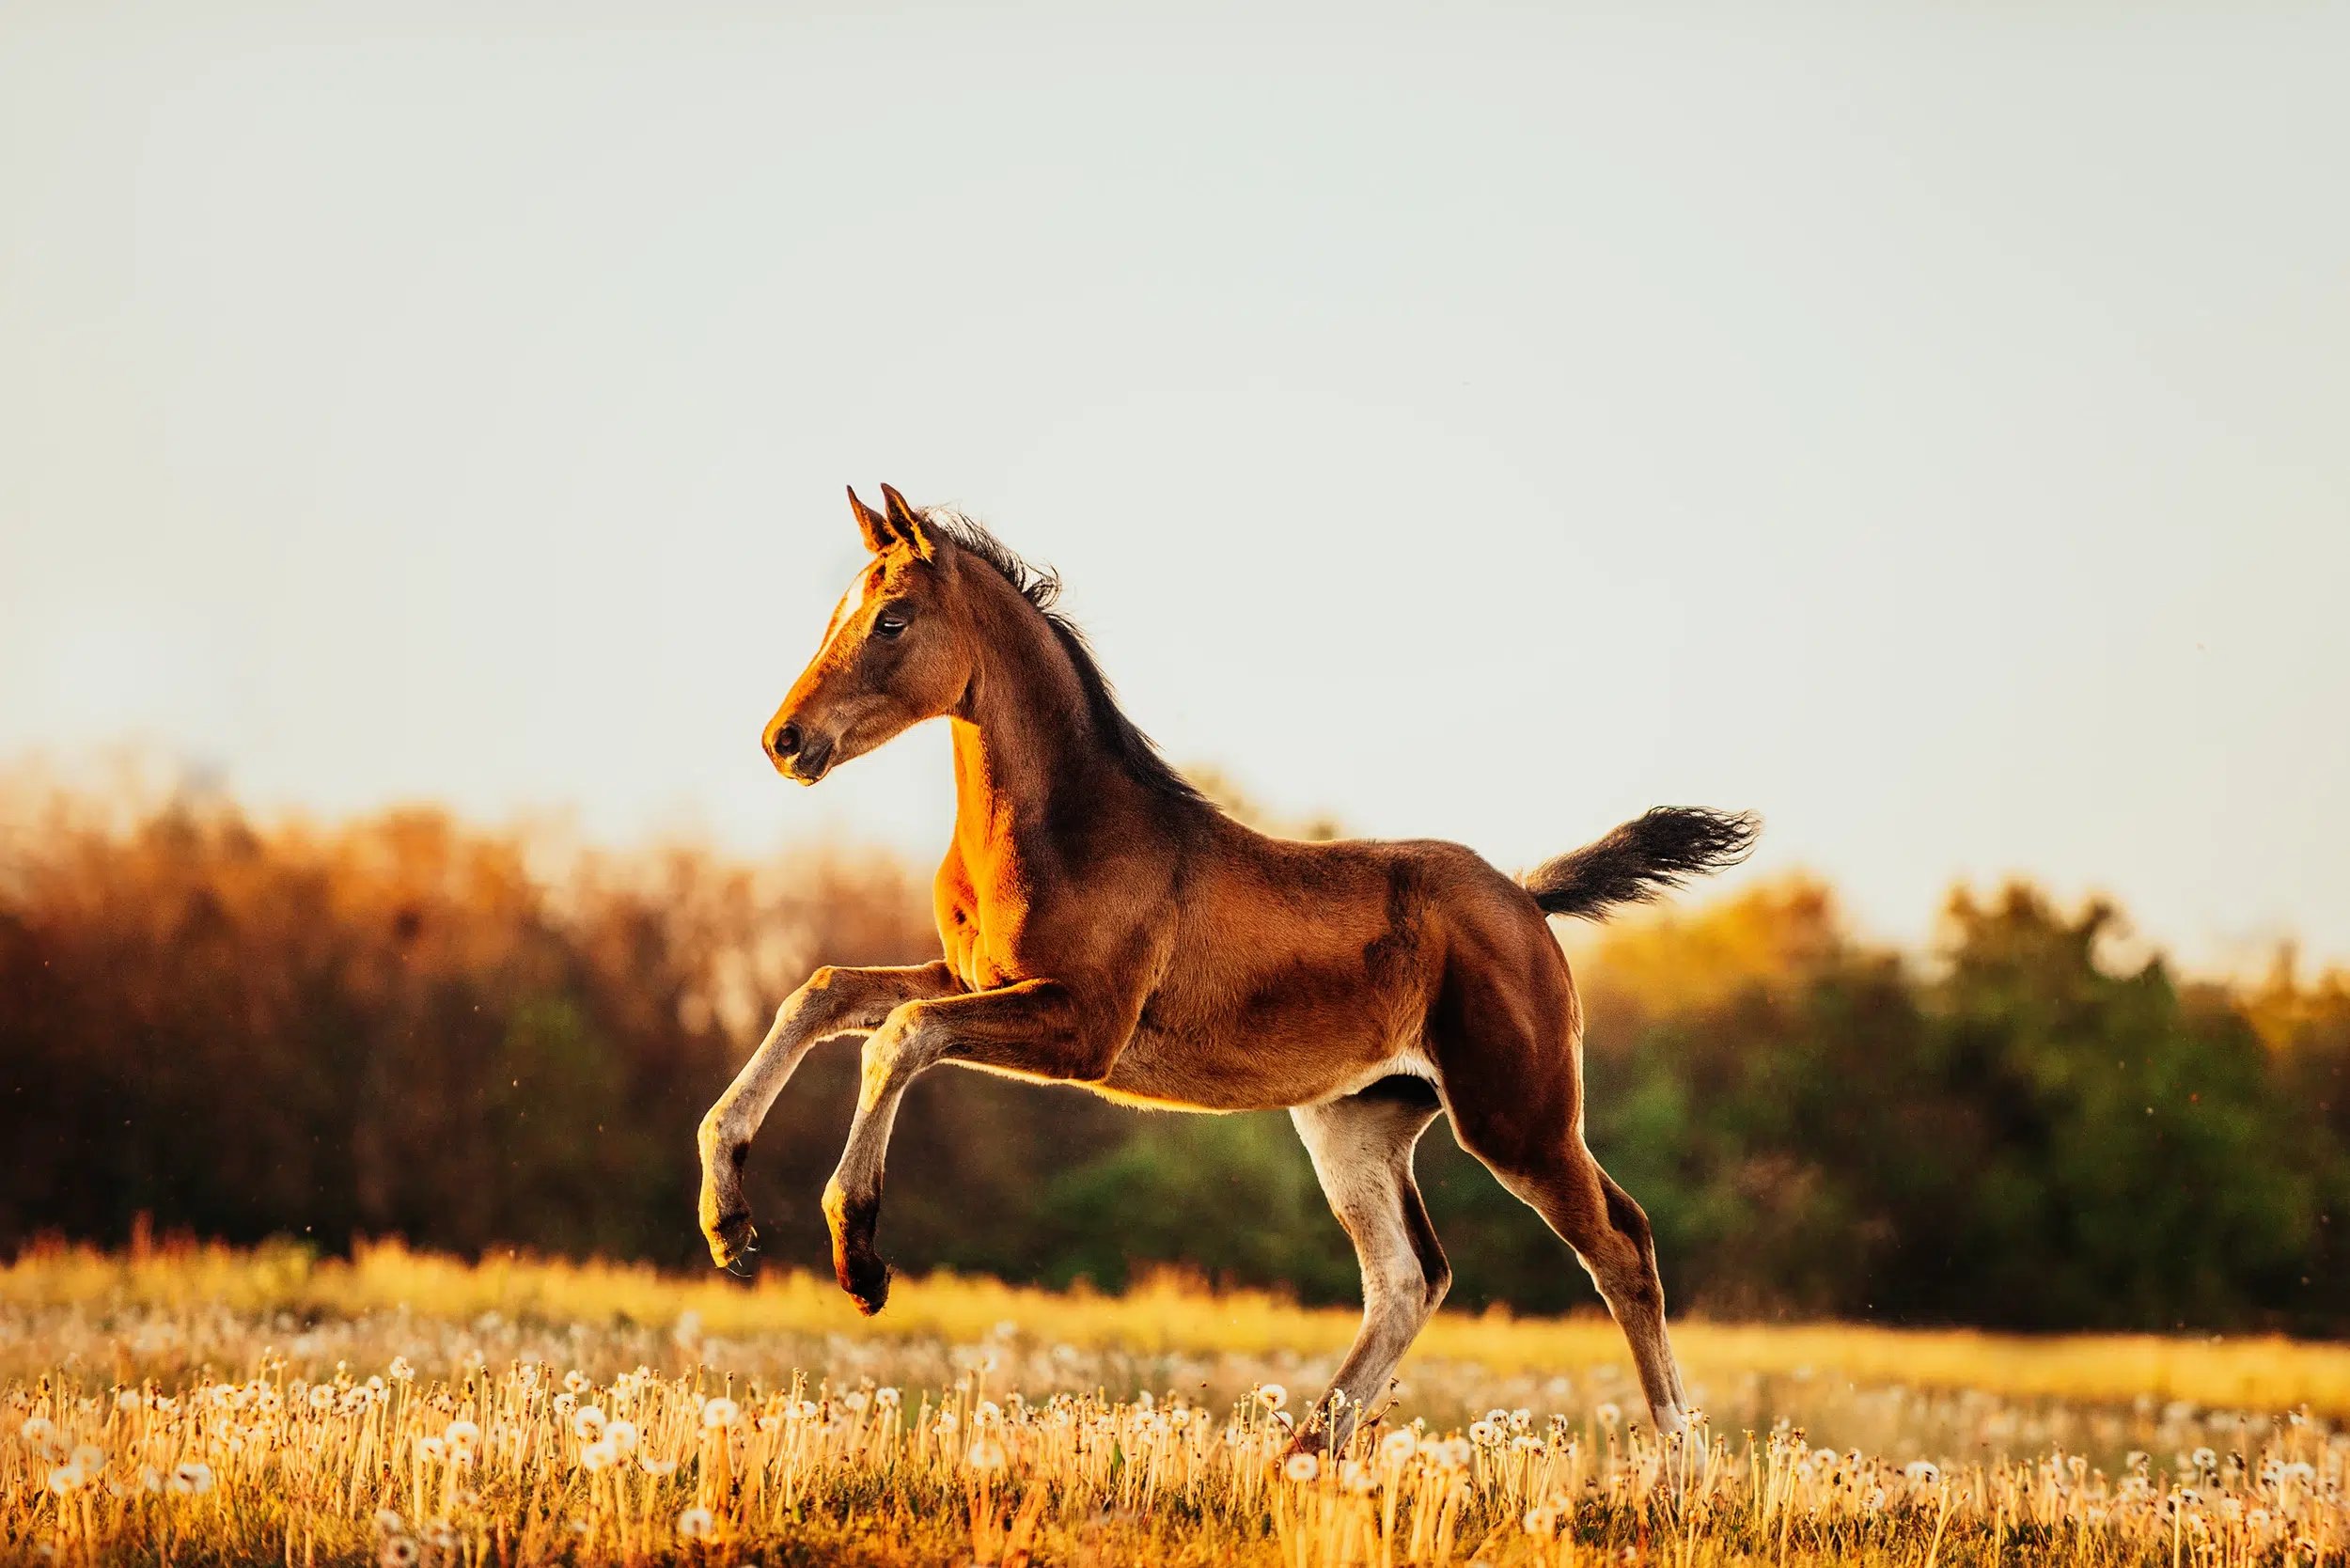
865 1278
732 1241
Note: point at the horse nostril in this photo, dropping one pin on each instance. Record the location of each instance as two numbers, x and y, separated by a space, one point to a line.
786 740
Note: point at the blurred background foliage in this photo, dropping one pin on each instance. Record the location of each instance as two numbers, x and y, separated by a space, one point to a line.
475 1040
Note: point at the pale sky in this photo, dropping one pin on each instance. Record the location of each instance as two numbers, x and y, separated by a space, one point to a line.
1927 426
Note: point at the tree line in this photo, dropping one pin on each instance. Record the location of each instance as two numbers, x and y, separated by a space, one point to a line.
406 1025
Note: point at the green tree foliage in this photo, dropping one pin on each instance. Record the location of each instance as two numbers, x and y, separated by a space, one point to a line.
405 1026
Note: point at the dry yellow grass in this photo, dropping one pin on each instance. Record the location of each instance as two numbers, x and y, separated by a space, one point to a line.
2263 1374
293 1426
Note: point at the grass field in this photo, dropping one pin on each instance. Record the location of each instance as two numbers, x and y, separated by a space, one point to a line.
195 1405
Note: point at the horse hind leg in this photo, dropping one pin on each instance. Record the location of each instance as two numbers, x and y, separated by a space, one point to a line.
1361 1147
1611 1238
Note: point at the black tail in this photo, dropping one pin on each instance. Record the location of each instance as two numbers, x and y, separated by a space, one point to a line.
1646 857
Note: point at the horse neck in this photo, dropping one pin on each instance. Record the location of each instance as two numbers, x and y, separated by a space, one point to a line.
1024 739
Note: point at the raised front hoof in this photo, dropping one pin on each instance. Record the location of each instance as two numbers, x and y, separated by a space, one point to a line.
732 1240
865 1277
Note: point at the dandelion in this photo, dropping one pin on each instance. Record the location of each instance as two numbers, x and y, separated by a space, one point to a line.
1301 1467
697 1524
65 1478
721 1412
1357 1477
322 1398
622 1435
397 1551
597 1456
1609 1413
588 1424
575 1382
1272 1396
655 1468
1924 1472
1397 1446
947 1423
37 1430
1454 1453
462 1435
151 1479
89 1457
127 1399
401 1371
191 1478
1481 1433
987 1454
387 1522
886 1397
856 1401
431 1449
1542 1522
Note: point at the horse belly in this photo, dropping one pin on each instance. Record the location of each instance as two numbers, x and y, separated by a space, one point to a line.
1175 1071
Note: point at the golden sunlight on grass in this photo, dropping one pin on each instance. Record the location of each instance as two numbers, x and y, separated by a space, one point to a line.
205 1405
1167 1316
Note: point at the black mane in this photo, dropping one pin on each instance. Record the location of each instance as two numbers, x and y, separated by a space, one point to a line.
1040 586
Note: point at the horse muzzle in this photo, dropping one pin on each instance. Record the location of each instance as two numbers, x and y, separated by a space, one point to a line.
799 755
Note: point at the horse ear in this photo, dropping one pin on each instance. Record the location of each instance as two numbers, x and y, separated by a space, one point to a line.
909 523
878 535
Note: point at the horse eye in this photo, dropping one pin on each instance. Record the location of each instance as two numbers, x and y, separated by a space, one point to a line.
889 625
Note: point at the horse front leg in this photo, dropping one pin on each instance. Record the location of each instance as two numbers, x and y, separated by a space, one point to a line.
832 1002
1032 1028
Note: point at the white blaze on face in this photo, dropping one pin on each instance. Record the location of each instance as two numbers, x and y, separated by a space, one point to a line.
846 610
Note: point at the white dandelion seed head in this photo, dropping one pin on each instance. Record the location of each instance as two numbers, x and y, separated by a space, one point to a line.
721 1412
38 1429
191 1477
886 1397
431 1449
697 1524
397 1551
127 1399
987 1454
622 1435
1301 1467
587 1425
401 1371
462 1433
1609 1413
387 1522
1541 1522
656 1467
597 1456
575 1382
1924 1471
65 1478
1272 1396
855 1400
947 1423
89 1458
1482 1432
1398 1446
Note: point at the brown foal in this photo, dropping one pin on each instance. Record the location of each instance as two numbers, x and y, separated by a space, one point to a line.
1104 924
